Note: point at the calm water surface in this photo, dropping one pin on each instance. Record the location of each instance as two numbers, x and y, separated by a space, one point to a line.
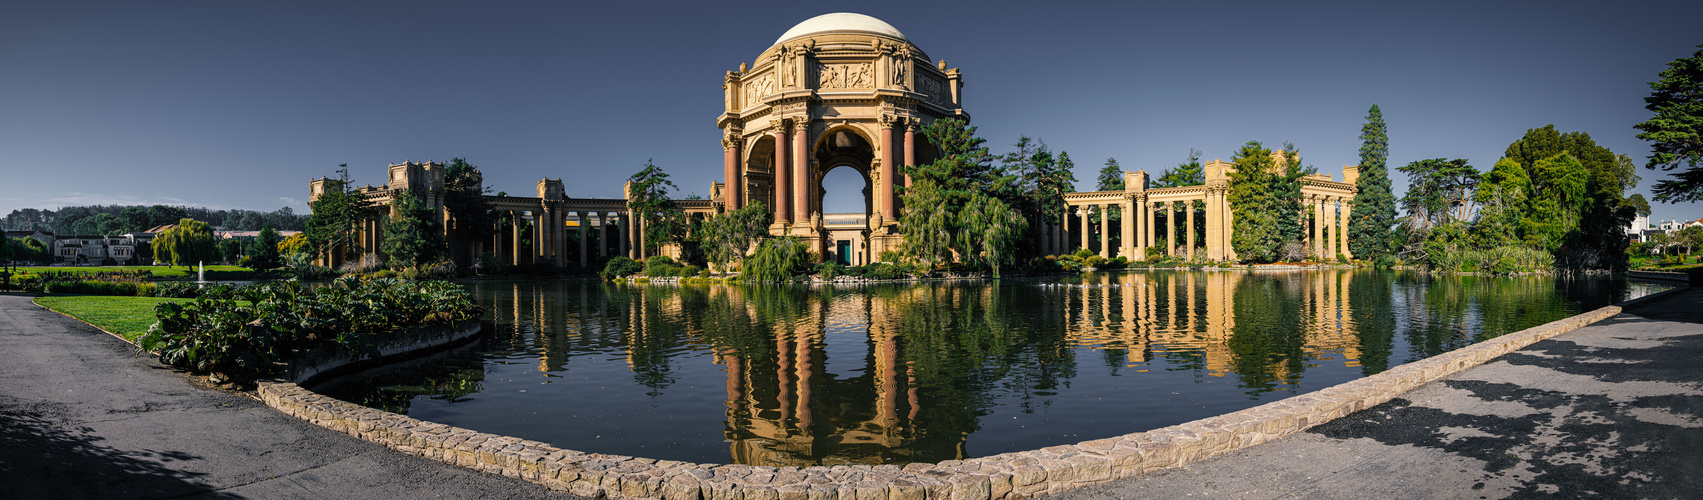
936 371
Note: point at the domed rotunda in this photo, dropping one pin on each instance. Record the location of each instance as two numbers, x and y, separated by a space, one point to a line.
837 90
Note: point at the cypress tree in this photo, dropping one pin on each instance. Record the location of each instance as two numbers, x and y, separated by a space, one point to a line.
1374 209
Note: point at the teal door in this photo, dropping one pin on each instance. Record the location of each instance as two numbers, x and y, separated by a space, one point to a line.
842 252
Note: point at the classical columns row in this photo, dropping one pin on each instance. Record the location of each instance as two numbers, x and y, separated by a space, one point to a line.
792 173
550 236
1329 226
890 162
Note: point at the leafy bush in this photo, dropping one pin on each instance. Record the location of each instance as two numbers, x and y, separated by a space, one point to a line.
885 271
660 260
621 266
661 269
830 270
1094 261
215 334
1084 254
688 271
777 260
1070 265
892 257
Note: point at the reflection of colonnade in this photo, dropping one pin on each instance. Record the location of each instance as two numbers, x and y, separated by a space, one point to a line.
1325 201
1153 314
801 415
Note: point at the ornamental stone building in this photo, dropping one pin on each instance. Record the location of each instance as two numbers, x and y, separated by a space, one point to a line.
846 90
838 90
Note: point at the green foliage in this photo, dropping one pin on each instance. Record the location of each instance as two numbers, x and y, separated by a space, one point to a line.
647 198
778 259
1189 173
244 333
27 249
1640 206
1575 208
411 234
1111 176
1265 198
188 243
727 237
961 204
829 270
989 232
471 214
333 226
1676 130
1373 212
621 266
263 252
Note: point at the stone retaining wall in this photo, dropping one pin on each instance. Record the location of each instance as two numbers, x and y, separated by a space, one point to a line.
1006 476
329 359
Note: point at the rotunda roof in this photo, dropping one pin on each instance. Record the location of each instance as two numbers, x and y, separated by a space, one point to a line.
840 22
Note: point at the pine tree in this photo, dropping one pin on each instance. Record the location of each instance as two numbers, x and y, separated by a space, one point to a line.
1374 210
263 252
411 237
1111 176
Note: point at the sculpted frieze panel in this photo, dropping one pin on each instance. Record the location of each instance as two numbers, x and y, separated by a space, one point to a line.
758 87
845 76
935 89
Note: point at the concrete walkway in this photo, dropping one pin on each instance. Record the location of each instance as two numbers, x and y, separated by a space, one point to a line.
1612 410
81 416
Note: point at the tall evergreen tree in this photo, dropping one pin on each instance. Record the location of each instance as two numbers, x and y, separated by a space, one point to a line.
648 199
1264 197
1677 129
1583 193
411 235
332 227
1374 212
263 252
470 213
1111 176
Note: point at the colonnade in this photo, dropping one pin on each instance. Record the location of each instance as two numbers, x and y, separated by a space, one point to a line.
550 235
1330 225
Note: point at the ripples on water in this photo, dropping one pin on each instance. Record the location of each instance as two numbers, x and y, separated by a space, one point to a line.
936 371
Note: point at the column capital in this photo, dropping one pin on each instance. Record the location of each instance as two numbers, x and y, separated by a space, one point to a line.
888 120
800 124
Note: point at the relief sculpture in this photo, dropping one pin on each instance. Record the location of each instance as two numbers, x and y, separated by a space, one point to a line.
935 89
759 87
899 73
844 76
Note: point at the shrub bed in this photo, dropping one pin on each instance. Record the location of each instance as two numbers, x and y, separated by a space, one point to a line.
244 333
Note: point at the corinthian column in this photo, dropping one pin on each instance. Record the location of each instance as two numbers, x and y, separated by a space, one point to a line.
731 196
783 184
889 170
800 171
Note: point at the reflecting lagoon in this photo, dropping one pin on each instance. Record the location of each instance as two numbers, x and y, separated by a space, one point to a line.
923 372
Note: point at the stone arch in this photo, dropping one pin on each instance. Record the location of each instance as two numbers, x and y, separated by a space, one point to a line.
759 171
843 145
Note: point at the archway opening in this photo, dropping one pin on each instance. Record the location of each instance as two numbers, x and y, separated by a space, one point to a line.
845 191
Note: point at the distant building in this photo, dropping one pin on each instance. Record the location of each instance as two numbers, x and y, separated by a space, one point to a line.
90 250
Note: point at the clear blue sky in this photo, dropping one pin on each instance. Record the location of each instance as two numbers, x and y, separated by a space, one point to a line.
239 104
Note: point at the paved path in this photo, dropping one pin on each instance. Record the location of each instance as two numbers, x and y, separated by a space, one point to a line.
1612 410
82 417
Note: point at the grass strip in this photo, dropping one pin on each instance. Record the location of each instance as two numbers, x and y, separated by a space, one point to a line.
129 317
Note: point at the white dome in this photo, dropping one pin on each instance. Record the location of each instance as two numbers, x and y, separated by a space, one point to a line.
840 21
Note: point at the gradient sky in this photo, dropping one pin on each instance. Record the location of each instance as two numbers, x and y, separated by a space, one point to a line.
239 104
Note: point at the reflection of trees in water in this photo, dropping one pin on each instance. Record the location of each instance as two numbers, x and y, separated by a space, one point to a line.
1373 318
1447 312
1266 341
969 344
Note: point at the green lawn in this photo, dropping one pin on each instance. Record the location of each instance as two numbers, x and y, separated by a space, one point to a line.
160 271
128 317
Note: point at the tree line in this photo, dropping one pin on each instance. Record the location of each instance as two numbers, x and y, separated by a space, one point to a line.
108 220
